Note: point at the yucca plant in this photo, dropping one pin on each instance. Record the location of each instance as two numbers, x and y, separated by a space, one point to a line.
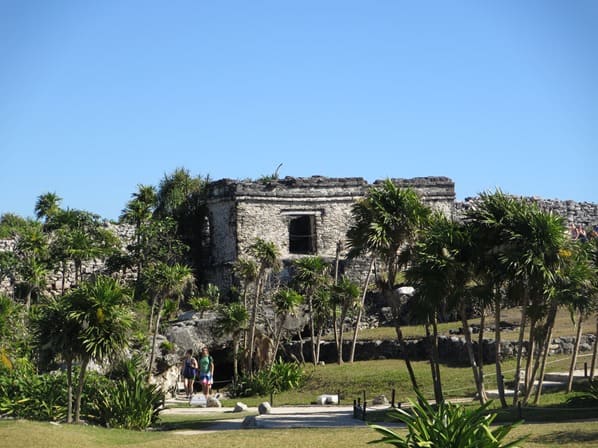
446 425
130 403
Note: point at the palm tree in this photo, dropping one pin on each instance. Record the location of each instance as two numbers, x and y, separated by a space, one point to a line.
164 282
247 271
233 319
344 296
386 222
487 220
286 301
312 276
440 273
57 332
579 293
31 252
267 256
47 205
101 310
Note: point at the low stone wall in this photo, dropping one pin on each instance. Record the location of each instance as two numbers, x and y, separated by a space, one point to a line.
451 349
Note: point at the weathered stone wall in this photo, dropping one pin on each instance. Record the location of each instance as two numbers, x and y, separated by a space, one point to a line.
125 233
241 211
450 349
584 213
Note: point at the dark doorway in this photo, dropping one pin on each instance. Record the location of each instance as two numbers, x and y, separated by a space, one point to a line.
302 234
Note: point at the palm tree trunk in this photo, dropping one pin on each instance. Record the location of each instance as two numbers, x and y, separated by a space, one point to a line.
594 352
80 389
542 356
236 357
403 346
360 312
434 359
499 378
279 335
575 351
253 323
69 389
312 330
469 345
531 349
301 355
481 348
154 337
341 335
520 348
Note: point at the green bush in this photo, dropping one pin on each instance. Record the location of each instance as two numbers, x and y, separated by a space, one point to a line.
129 402
446 425
281 376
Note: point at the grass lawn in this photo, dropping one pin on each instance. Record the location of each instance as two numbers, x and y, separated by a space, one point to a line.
44 435
381 376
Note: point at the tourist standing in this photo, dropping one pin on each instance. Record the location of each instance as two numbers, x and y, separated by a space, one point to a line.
206 371
189 372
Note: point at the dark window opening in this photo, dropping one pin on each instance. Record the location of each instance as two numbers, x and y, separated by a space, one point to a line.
302 235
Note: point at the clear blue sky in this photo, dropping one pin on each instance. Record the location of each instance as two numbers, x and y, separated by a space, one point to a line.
99 96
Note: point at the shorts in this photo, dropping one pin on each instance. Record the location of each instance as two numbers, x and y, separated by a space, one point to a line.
206 378
189 374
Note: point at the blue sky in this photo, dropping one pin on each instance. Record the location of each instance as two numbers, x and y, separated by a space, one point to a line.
98 97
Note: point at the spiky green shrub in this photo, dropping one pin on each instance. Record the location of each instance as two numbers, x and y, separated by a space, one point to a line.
446 425
280 377
129 402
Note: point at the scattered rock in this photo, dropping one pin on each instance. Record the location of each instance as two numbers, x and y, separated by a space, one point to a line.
264 408
249 422
240 407
327 399
213 402
379 400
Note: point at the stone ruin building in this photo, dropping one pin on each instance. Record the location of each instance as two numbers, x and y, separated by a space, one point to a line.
302 216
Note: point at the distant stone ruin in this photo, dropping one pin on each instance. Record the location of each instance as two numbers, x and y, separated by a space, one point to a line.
302 216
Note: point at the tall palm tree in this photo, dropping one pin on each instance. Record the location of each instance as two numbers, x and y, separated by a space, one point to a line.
312 276
247 271
58 333
345 294
164 282
31 252
267 257
47 205
286 301
233 319
440 273
386 222
101 310
487 220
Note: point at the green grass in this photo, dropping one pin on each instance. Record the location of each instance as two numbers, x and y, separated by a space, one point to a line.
37 434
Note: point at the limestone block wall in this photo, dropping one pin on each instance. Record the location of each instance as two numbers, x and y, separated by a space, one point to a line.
125 232
241 211
584 213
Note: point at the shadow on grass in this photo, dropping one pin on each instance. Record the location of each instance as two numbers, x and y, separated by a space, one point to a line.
564 437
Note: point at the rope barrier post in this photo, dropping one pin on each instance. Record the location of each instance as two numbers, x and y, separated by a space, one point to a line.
392 398
364 406
585 369
338 395
363 394
354 408
519 410
271 398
